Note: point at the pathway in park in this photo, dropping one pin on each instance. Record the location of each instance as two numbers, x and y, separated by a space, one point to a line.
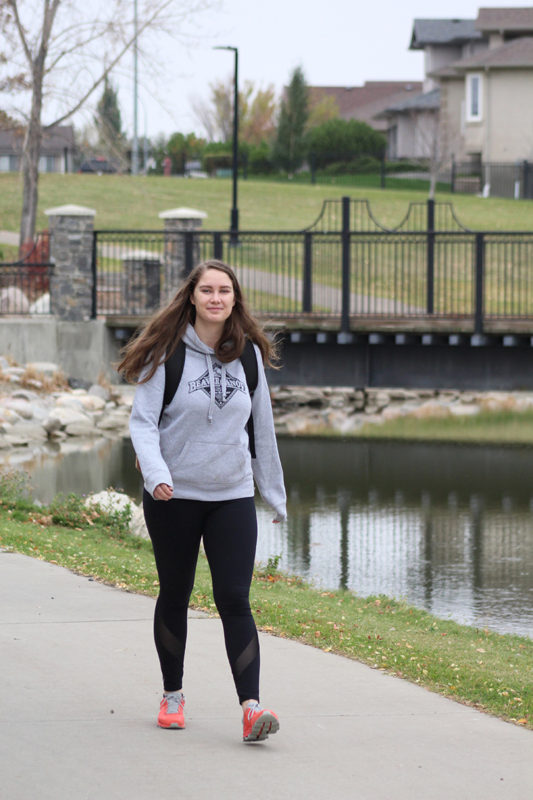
79 693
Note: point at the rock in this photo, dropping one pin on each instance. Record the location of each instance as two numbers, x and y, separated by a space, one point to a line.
110 501
126 400
86 428
69 401
92 402
402 395
78 383
96 390
40 412
137 524
359 400
22 407
46 368
13 301
52 424
25 394
66 416
41 305
26 433
114 421
431 408
57 435
8 415
393 412
459 410
14 372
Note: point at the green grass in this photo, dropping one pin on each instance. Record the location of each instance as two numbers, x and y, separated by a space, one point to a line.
487 427
489 671
128 202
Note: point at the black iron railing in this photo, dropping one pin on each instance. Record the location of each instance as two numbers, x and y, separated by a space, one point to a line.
24 288
333 274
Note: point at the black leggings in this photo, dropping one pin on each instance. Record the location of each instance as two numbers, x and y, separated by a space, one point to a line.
229 532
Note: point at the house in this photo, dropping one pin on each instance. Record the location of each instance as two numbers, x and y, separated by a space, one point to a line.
57 149
477 98
487 96
365 102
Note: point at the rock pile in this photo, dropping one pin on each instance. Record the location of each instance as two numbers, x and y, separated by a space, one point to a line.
306 410
30 415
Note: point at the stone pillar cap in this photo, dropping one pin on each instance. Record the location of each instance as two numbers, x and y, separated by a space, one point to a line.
182 213
70 211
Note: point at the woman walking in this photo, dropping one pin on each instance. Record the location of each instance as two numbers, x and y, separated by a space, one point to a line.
195 453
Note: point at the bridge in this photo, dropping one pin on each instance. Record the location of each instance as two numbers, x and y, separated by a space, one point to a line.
353 301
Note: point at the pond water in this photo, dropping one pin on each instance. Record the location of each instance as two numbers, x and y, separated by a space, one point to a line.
448 528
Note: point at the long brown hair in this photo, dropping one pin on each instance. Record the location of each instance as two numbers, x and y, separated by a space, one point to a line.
159 338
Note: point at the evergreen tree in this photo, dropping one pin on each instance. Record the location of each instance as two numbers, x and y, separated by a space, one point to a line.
289 148
108 123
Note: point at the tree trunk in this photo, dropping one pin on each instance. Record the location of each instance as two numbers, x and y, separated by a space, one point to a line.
32 141
30 183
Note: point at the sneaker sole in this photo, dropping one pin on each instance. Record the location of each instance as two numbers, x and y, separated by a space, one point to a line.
171 725
262 728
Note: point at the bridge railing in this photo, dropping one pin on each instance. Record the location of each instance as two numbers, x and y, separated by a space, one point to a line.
342 280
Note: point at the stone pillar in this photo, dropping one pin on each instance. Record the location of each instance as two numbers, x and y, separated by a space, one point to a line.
71 247
142 282
177 221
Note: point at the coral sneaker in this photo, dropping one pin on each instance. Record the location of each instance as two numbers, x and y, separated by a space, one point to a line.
171 711
257 723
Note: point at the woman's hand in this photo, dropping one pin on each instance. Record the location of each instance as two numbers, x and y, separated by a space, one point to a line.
163 491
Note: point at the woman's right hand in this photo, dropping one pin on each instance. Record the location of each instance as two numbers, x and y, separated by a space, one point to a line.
163 492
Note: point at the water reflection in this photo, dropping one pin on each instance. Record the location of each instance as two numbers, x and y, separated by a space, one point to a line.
448 528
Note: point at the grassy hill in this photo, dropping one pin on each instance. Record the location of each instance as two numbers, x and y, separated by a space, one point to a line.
134 202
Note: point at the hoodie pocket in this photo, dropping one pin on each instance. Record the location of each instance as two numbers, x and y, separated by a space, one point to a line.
206 463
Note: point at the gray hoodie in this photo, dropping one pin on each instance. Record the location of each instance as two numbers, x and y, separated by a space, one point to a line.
201 446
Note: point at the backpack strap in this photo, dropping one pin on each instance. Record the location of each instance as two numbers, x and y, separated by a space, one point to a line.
249 363
173 372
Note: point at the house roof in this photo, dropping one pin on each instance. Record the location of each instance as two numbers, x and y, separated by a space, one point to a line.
54 141
427 101
443 31
508 20
365 102
515 54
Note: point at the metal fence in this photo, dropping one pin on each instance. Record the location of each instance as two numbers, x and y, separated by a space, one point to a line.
25 284
343 280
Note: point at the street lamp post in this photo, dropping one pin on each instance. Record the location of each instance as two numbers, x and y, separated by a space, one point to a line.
135 146
234 218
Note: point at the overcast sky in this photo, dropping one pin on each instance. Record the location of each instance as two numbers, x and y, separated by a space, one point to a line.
337 42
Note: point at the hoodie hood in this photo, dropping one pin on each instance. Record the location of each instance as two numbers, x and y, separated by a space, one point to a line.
193 341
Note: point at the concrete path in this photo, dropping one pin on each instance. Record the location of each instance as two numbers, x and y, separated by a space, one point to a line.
79 693
8 237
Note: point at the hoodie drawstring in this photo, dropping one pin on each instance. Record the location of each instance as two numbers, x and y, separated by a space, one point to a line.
211 388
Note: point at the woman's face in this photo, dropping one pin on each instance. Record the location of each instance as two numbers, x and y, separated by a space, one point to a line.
213 297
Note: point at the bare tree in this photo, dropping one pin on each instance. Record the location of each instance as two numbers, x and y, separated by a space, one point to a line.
53 56
257 111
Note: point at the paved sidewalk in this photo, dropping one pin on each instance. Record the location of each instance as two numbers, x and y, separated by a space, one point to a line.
79 693
9 237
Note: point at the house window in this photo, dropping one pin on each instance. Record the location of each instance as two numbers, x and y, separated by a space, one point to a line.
473 98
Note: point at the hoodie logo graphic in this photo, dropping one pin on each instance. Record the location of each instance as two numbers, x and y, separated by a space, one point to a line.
233 385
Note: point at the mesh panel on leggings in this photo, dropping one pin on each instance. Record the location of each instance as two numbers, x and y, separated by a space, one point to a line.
248 655
166 639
